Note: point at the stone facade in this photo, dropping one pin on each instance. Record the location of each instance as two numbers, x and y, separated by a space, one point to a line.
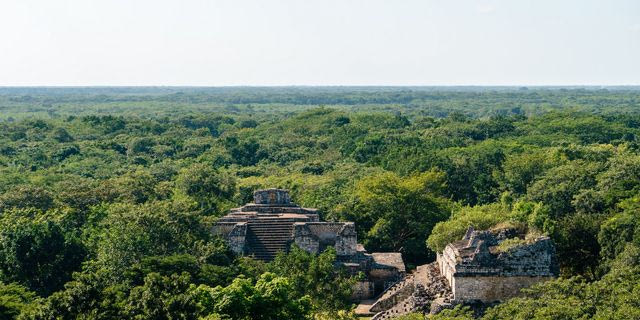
478 270
271 196
236 236
272 223
491 288
315 237
475 271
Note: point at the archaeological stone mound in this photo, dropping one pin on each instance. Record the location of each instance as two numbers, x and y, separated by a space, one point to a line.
273 224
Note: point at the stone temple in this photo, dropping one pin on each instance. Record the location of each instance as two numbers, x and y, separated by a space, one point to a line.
272 223
475 270
478 270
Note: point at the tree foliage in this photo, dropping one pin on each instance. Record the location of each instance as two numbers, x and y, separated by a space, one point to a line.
107 195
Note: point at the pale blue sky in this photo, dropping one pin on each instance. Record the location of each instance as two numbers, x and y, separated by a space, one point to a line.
324 42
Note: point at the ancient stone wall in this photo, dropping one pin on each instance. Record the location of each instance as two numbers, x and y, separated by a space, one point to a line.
326 232
271 196
234 233
236 238
347 241
384 273
536 258
223 229
363 290
447 263
490 289
532 259
315 236
477 271
304 238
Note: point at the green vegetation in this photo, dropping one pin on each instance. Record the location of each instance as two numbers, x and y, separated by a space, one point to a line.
507 245
107 194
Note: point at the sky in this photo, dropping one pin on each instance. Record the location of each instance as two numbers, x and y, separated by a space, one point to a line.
319 42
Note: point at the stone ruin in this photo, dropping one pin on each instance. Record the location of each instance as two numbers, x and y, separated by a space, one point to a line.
272 223
476 271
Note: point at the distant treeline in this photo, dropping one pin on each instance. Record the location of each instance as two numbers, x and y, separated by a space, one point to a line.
439 102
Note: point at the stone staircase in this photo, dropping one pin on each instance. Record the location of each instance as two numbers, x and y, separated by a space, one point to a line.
267 237
394 294
410 304
423 291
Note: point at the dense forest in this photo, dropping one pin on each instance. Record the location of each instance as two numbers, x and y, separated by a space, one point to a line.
107 195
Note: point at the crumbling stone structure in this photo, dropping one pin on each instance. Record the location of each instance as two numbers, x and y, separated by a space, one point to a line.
481 269
478 269
272 223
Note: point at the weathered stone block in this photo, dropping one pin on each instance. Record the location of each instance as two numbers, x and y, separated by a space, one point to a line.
305 239
491 289
478 269
236 238
271 196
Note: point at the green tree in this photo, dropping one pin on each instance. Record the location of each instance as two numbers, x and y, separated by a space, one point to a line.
206 185
61 135
520 170
460 312
559 185
15 299
245 152
271 298
317 277
162 298
35 252
479 217
199 271
140 145
397 214
576 241
133 187
129 233
619 229
26 196
88 296
619 181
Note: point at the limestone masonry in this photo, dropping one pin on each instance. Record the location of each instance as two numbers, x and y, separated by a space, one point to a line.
272 223
477 269
481 269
